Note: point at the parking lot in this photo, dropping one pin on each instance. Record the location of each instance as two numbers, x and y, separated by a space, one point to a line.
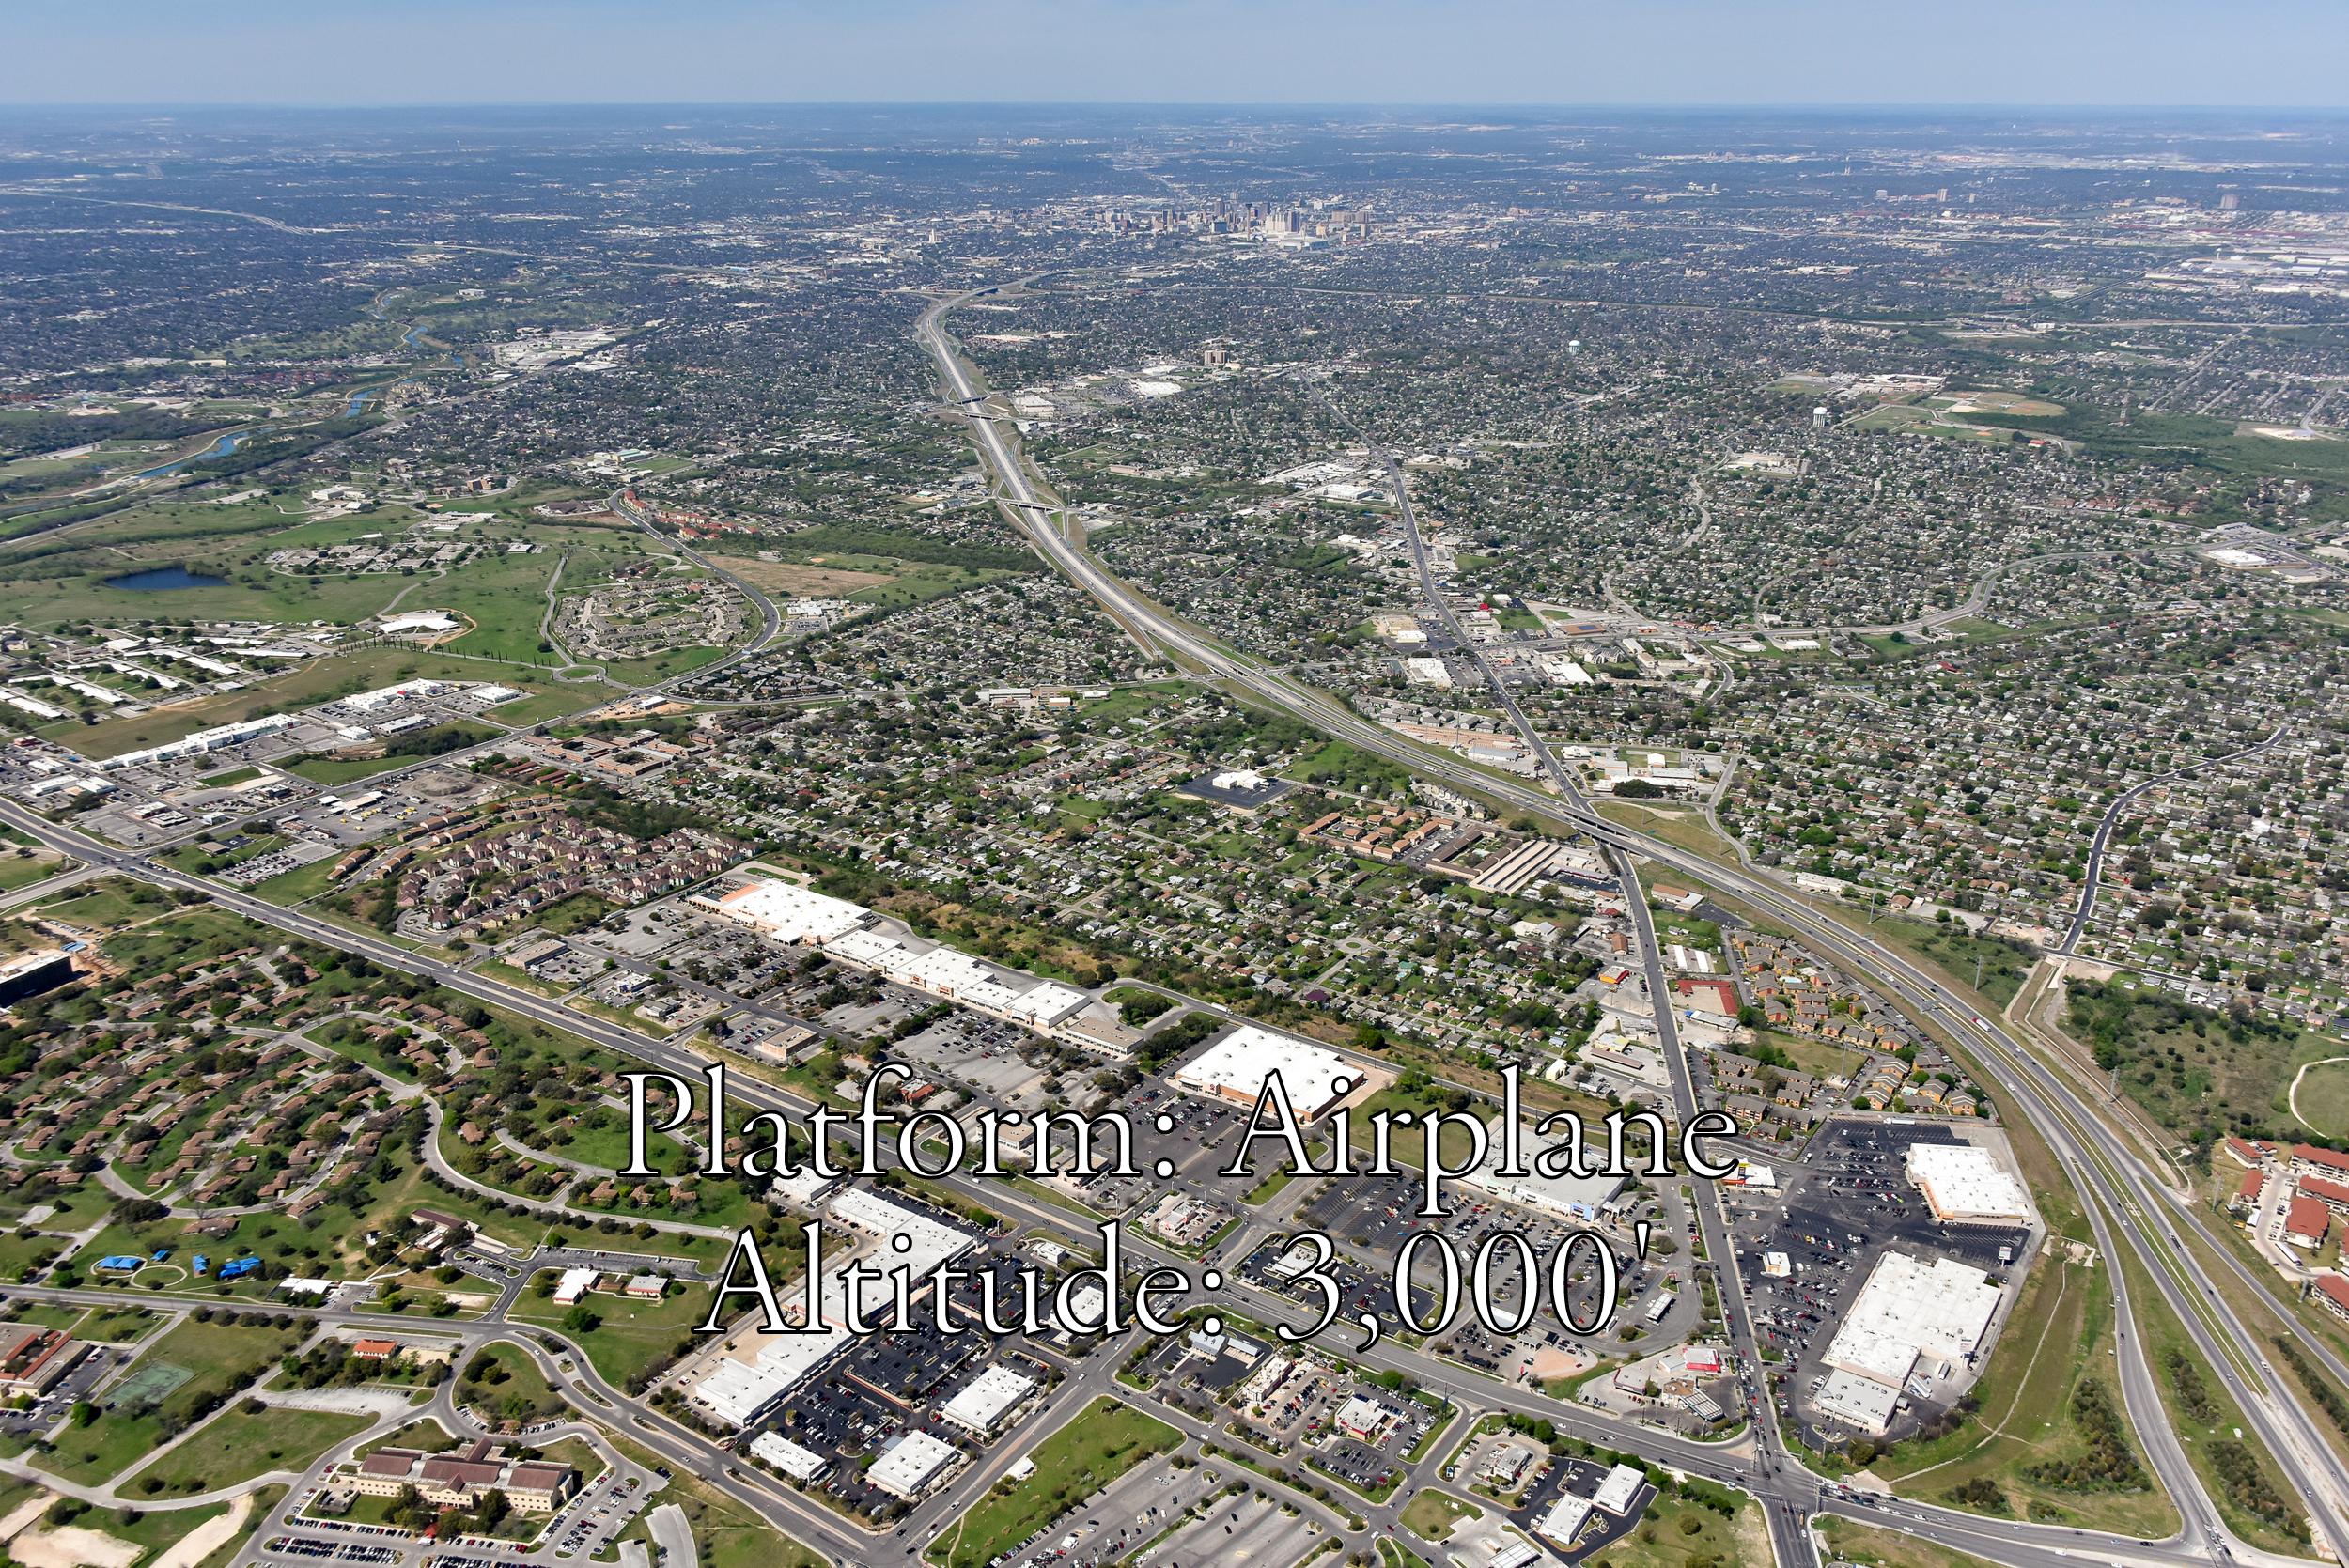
1834 1214
1369 1218
1245 1528
589 1522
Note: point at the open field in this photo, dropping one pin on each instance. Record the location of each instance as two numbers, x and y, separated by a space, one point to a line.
1678 1531
2062 1326
630 1336
1889 1549
217 1358
2321 1097
238 1446
803 578
1104 1441
2201 1073
1433 1515
1683 826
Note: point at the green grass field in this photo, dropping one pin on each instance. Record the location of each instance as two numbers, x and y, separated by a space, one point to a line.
511 1385
1105 1440
1887 1548
217 1354
2004 964
2062 1326
237 1447
1677 1531
2322 1099
1433 1515
632 1335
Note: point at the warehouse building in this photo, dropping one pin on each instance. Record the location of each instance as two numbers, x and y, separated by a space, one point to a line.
983 1404
1965 1184
1915 1325
1236 1067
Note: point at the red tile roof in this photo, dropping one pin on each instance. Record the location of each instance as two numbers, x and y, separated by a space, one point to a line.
2331 1194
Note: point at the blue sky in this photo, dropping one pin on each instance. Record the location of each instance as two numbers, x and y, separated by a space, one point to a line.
1458 52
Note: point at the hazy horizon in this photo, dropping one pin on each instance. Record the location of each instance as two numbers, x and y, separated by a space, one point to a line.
2270 54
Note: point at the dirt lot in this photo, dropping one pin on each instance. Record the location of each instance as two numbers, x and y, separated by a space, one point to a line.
792 576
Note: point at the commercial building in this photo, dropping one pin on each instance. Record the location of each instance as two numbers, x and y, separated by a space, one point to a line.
407 691
1914 1323
786 911
983 1404
1565 1195
1965 1184
1507 1465
202 741
912 1465
1859 1402
460 1480
1366 1418
1236 1067
1621 1488
740 1392
29 974
33 1359
575 1283
741 1389
1564 1521
800 1465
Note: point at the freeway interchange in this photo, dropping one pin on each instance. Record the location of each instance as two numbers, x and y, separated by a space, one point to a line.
2123 1197
2128 1206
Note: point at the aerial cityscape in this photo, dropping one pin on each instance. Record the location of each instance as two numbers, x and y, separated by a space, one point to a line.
983 836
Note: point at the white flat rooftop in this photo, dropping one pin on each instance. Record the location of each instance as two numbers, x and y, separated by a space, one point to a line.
1237 1067
791 913
1963 1182
1910 1311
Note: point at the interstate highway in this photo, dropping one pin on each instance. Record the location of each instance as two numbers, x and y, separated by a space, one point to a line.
2096 1158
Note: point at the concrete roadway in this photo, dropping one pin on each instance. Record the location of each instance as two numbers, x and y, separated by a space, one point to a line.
2112 818
1789 1538
2283 1425
1786 1488
1788 1491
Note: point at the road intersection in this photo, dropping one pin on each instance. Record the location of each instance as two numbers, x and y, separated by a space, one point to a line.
2128 1205
2119 1192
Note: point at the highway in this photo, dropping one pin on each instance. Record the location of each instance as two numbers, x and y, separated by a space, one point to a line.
2114 1185
1790 1538
2127 1204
